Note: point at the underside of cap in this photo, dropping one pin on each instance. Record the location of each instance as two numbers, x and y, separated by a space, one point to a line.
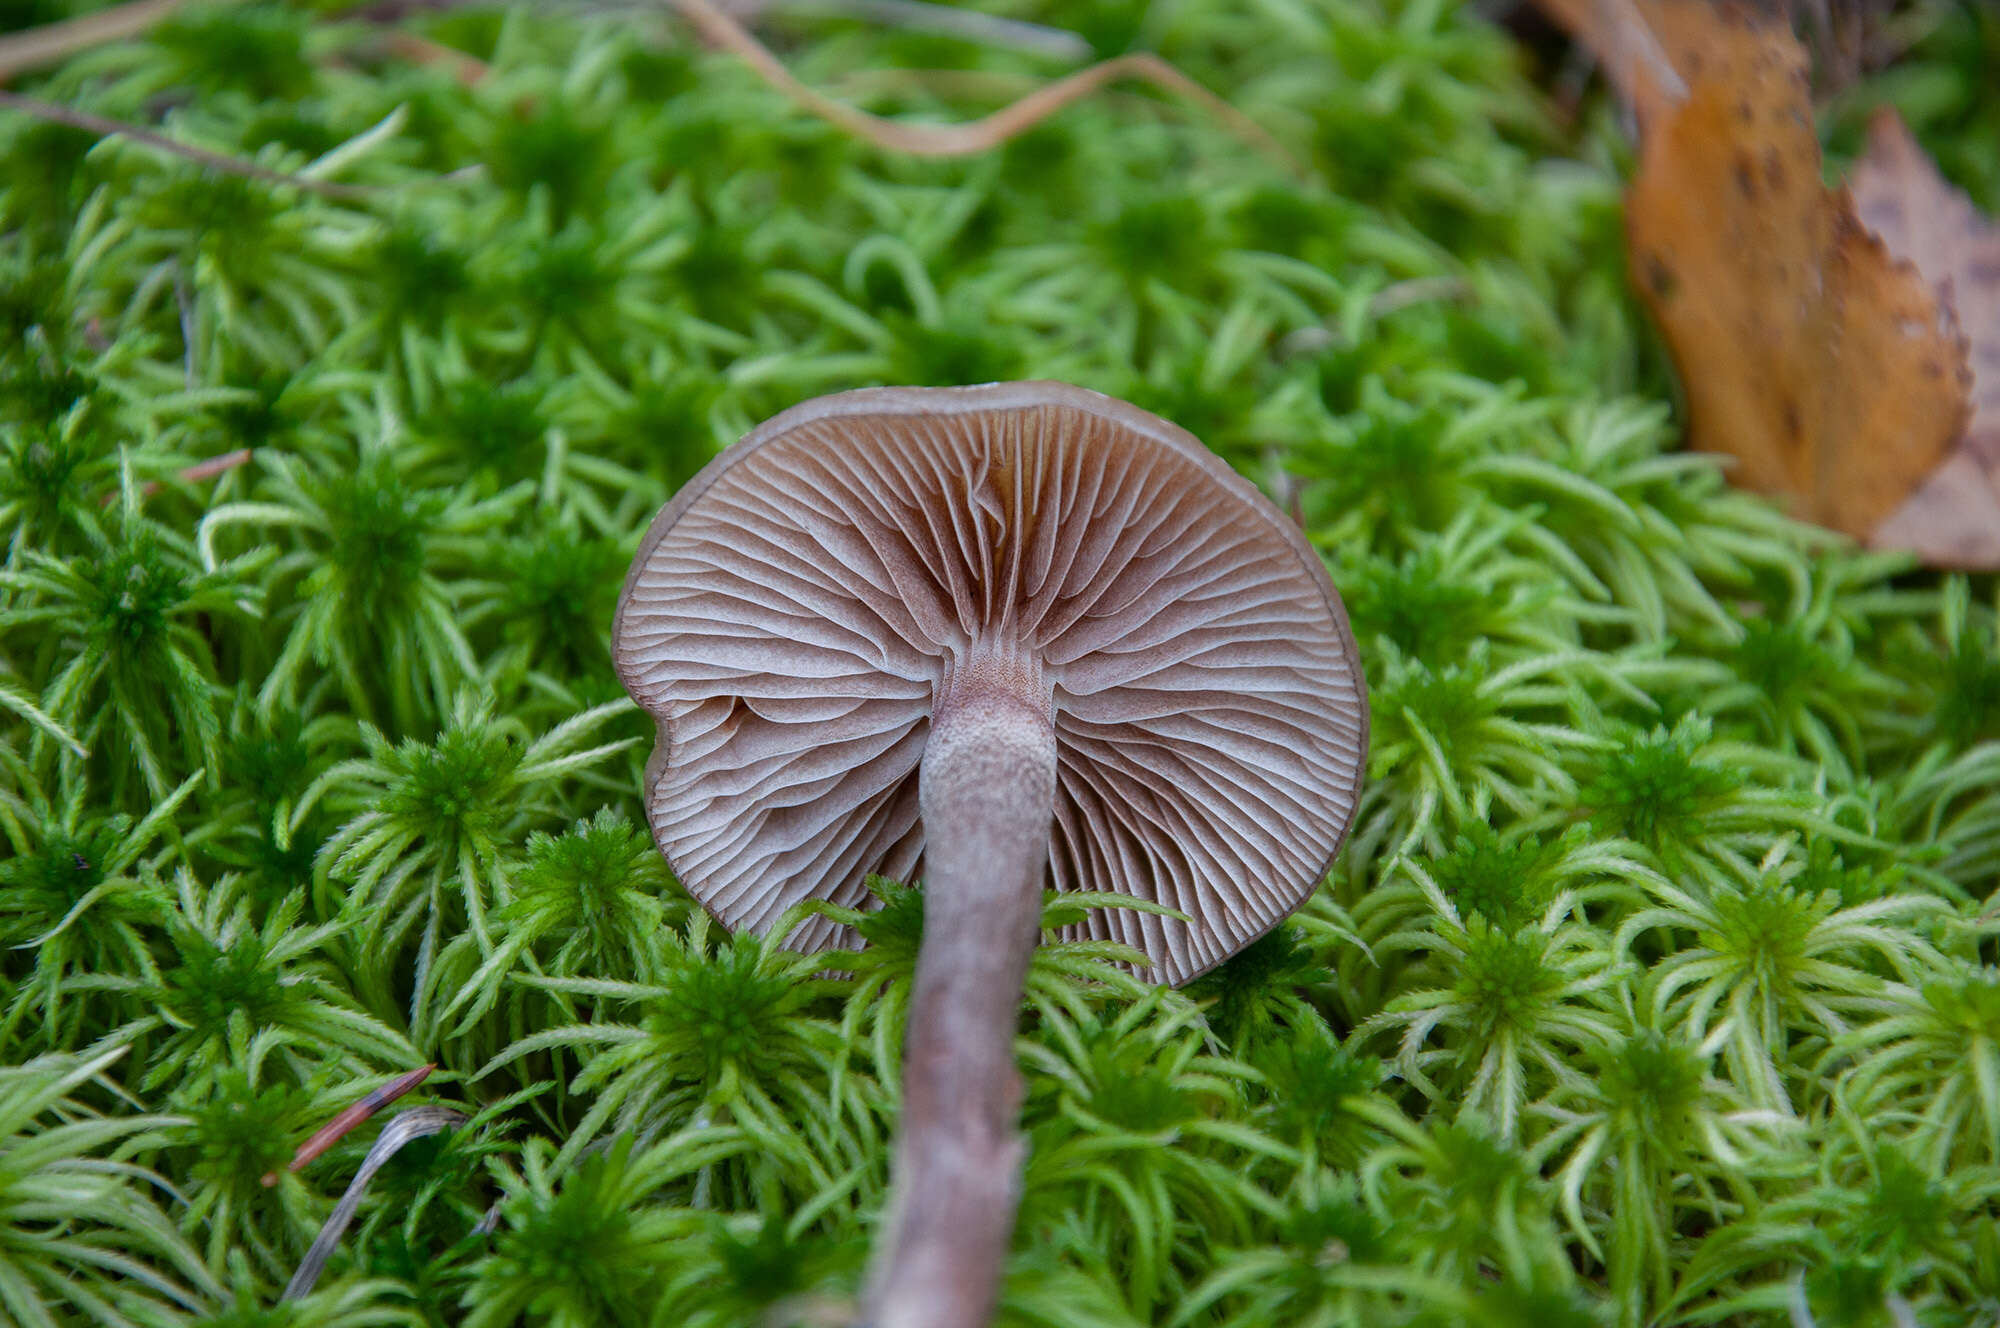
791 616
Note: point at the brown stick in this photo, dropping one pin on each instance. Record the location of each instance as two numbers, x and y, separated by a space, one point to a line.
250 170
203 470
980 135
53 42
421 50
1634 60
928 16
195 474
345 1120
987 786
216 465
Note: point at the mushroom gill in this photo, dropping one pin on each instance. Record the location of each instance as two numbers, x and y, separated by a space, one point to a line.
997 639
797 615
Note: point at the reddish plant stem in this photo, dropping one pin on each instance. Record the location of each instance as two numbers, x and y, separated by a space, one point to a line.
334 1130
988 132
988 795
249 170
204 470
54 42
195 474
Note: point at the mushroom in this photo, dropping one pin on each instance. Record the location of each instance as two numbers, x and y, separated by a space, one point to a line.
999 639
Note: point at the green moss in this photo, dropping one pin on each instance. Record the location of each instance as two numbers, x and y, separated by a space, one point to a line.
257 49
1505 880
1656 787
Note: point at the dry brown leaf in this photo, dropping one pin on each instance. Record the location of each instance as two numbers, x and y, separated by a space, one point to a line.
1835 374
1953 519
1805 349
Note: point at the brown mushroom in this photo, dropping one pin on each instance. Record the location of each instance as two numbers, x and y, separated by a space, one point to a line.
998 639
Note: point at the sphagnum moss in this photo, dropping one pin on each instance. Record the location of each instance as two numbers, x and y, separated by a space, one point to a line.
1657 985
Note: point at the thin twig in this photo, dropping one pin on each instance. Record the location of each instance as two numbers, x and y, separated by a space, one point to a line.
900 81
939 20
980 135
421 50
208 470
407 1127
199 471
98 124
334 1130
1634 60
397 11
54 42
195 474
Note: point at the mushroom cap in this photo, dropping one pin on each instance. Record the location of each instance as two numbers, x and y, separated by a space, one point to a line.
792 614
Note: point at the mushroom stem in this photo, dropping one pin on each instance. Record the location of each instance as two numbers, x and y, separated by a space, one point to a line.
987 791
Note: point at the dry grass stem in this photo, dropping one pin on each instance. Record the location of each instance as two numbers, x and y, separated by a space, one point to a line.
988 132
249 170
54 42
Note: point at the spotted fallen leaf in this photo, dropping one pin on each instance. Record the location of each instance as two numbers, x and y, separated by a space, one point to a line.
1953 519
1807 351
